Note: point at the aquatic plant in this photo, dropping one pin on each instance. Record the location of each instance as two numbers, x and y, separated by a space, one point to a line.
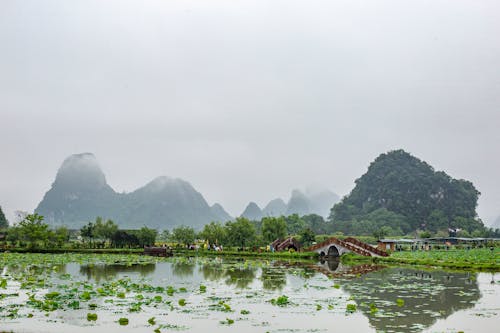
123 321
91 316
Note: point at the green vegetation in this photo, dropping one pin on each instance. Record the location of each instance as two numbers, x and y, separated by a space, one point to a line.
183 235
350 307
33 233
280 301
103 284
91 316
475 259
273 228
3 220
123 321
402 194
214 233
240 232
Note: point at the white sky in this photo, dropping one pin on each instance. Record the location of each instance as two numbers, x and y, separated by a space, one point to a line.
247 99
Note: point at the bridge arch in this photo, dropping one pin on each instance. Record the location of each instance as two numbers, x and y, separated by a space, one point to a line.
333 251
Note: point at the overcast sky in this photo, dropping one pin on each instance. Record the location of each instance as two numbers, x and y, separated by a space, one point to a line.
247 99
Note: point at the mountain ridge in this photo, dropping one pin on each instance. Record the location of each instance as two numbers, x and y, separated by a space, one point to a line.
318 201
80 193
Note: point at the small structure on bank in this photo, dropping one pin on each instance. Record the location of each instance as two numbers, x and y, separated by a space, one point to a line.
432 243
286 244
158 251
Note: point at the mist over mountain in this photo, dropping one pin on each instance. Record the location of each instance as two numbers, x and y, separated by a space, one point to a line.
311 201
80 193
276 207
252 212
321 201
496 224
299 204
221 213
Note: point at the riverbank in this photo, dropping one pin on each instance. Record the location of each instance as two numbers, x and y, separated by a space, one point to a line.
473 259
177 252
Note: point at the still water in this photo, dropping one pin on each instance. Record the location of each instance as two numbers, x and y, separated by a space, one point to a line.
227 295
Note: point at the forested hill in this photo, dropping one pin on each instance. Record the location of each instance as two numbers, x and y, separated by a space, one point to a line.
402 193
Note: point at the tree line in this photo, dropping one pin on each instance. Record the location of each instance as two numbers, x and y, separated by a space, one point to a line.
32 232
243 233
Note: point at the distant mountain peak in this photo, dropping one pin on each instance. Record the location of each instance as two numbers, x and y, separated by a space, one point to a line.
252 212
80 194
81 170
275 207
314 200
220 213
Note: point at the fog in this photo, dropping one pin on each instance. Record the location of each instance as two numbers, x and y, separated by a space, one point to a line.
247 99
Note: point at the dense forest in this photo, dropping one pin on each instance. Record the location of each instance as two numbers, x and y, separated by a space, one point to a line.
402 194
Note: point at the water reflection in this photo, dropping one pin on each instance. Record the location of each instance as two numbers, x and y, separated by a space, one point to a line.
240 277
273 278
106 272
426 297
332 263
213 271
184 268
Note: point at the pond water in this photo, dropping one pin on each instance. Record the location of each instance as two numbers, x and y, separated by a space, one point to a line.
52 293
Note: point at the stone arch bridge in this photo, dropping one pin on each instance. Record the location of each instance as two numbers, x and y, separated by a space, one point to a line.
334 247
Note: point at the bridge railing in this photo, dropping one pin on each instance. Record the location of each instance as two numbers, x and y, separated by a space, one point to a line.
336 241
365 246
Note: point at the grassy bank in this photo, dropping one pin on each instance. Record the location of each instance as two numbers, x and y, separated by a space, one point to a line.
230 253
59 250
476 259
177 252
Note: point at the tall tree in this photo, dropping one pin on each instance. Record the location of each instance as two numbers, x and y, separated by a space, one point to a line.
184 235
3 221
88 232
33 231
240 232
214 233
294 224
273 228
146 236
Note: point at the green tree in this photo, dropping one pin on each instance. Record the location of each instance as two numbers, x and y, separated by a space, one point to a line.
307 236
122 238
165 235
214 233
240 232
59 236
3 221
317 224
273 228
104 231
383 232
294 224
32 231
87 232
183 235
146 236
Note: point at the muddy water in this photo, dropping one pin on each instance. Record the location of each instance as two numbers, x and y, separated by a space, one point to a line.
221 295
